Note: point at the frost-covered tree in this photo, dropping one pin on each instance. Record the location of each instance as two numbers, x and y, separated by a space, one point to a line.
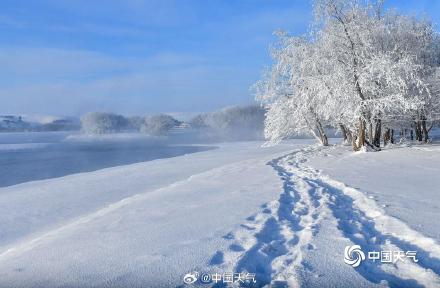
417 39
103 123
359 70
231 123
135 123
294 90
374 76
432 105
158 125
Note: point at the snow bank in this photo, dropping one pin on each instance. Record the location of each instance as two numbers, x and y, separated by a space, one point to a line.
142 224
402 180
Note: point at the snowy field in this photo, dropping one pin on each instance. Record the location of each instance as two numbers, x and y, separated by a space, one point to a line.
284 212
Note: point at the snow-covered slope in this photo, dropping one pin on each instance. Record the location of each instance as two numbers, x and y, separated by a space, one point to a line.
286 213
140 224
403 180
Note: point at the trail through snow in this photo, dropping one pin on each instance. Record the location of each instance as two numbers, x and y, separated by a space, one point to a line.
140 225
277 243
239 208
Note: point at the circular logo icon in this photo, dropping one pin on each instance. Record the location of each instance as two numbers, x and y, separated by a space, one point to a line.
353 255
205 278
190 278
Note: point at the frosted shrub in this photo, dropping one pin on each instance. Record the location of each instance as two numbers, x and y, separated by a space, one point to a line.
158 124
232 123
103 123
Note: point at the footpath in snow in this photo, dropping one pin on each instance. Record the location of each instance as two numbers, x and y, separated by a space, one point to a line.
299 239
285 213
144 224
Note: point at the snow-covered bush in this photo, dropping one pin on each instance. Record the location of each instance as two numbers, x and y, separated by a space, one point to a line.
231 123
199 121
135 123
103 123
158 124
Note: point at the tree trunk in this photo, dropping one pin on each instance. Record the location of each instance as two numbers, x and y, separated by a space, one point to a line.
425 131
361 140
377 133
386 136
354 145
345 133
418 130
324 140
349 135
322 135
358 141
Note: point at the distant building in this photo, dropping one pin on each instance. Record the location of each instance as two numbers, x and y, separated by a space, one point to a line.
61 125
12 123
180 129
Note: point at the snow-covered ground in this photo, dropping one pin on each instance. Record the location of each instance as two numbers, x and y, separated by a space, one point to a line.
142 224
374 200
285 213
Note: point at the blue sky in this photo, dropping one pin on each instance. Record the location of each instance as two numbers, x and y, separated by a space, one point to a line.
67 57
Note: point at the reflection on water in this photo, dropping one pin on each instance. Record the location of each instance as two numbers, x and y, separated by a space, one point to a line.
62 158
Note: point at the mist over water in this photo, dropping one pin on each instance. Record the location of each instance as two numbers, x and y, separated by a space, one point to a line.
35 156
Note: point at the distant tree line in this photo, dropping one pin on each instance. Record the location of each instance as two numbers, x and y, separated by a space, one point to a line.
232 123
105 123
13 123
